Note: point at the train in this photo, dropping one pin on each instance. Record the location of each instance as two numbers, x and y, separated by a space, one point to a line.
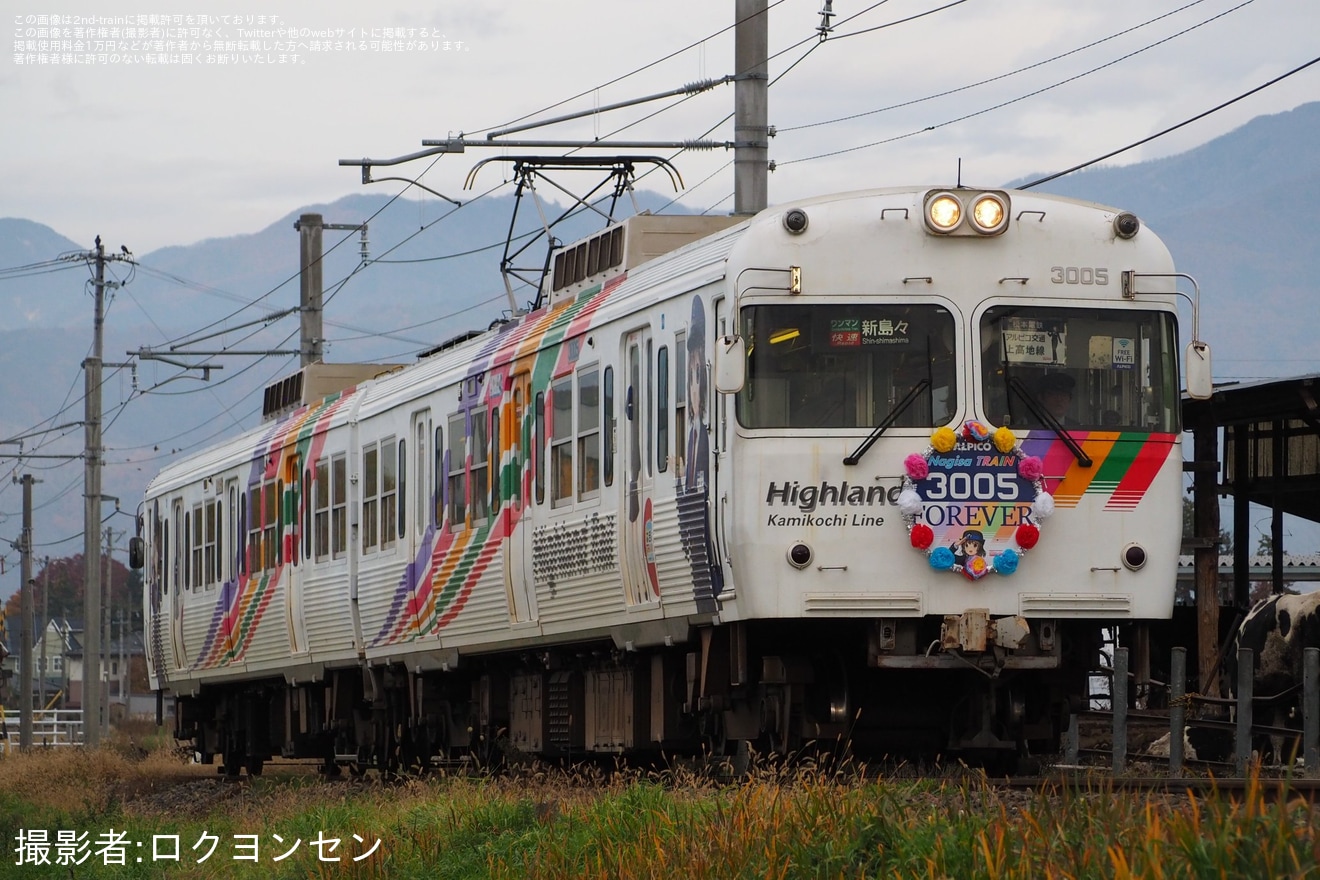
876 468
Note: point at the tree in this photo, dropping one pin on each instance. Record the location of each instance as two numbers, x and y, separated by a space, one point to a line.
1189 527
67 581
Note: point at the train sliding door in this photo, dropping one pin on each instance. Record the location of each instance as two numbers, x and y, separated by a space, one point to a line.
637 452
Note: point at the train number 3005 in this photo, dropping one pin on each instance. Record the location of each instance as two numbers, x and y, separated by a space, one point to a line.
1079 275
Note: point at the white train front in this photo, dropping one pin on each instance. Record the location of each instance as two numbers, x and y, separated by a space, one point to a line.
878 465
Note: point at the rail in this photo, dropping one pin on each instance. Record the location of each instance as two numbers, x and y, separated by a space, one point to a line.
50 728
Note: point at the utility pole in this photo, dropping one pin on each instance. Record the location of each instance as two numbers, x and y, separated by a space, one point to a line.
309 228
91 690
25 611
751 130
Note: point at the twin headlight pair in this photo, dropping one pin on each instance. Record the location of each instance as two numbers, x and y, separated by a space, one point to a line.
966 213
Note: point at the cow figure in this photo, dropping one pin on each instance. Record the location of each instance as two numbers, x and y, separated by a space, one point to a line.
1278 629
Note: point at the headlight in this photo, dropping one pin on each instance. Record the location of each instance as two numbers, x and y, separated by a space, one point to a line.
989 213
944 213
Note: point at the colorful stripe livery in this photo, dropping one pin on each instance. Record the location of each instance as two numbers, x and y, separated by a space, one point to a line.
437 584
242 603
1123 465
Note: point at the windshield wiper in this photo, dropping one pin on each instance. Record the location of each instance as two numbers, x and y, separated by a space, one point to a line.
888 420
1045 417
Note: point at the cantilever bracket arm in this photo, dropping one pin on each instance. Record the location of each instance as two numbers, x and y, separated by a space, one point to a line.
577 163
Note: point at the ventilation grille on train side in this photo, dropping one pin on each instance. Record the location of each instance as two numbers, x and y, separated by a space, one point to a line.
314 382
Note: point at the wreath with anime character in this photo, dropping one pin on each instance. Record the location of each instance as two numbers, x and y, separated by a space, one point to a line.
968 556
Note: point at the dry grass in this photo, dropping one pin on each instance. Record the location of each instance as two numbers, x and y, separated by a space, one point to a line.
804 821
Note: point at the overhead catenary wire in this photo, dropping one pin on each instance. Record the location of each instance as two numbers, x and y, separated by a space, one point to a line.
1000 105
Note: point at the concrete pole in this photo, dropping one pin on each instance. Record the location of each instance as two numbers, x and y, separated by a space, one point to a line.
91 690
309 227
751 133
25 611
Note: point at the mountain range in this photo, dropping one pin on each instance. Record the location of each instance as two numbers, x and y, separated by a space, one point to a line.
1231 212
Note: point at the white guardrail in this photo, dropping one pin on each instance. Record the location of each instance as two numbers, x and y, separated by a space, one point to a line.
50 727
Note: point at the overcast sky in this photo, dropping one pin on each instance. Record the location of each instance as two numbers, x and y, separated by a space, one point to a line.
150 154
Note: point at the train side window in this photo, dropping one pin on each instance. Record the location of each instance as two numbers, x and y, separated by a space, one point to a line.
495 460
165 554
157 546
662 409
480 447
389 493
538 447
370 497
321 511
291 542
338 505
649 392
438 472
254 529
241 536
210 549
271 493
607 453
192 569
306 505
457 473
401 506
561 441
422 504
680 398
588 433
228 539
518 444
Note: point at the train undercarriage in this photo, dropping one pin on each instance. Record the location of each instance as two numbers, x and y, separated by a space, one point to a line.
897 688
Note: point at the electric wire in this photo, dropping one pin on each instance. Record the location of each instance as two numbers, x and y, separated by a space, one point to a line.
987 81
999 106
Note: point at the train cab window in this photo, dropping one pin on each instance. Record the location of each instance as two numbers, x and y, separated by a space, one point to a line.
1087 368
588 433
607 453
561 441
848 366
457 472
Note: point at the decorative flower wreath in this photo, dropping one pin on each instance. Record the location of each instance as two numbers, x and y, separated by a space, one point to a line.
921 536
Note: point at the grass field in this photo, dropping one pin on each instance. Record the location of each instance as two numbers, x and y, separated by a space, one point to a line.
130 814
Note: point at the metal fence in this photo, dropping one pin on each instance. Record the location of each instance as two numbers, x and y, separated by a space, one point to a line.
1180 702
50 728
